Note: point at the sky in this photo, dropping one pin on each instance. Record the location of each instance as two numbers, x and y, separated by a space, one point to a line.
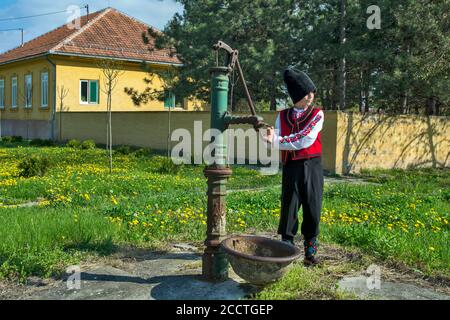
153 12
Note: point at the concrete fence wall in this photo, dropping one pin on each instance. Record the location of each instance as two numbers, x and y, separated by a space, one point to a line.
351 142
150 129
384 141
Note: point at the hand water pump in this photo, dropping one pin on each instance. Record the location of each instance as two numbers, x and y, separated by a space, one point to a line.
214 261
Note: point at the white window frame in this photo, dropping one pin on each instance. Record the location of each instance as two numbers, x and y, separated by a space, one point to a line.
44 89
89 92
2 94
28 90
14 92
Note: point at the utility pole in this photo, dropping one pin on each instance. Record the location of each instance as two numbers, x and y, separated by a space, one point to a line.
17 29
86 6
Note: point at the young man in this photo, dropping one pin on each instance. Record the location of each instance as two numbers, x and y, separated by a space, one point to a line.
297 135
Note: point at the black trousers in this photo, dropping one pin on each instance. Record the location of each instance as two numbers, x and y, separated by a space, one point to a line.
302 186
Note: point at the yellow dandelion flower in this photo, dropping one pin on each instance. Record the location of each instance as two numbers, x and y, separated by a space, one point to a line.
114 200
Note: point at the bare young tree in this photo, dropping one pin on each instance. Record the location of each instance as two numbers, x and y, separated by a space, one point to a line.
62 94
111 71
160 85
27 97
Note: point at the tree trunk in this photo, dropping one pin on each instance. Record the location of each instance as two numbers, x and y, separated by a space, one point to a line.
362 97
110 132
431 106
342 67
322 97
405 109
273 103
107 127
326 101
335 92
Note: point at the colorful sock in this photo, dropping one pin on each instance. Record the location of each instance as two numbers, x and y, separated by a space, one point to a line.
310 247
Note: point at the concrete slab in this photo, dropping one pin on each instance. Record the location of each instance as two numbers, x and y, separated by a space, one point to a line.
389 290
156 276
194 288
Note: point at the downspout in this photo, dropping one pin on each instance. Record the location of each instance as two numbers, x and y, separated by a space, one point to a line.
53 120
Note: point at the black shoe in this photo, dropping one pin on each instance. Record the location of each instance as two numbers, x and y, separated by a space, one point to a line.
290 241
311 261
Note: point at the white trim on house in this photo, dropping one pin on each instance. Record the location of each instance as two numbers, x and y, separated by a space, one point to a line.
88 92
44 89
28 91
2 94
14 92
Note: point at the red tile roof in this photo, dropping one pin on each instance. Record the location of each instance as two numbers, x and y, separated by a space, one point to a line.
107 33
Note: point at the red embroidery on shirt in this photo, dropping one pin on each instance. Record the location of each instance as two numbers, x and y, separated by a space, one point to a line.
304 132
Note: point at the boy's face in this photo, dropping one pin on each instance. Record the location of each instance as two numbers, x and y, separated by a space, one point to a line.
306 101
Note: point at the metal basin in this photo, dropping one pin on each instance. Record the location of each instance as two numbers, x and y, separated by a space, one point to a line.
259 260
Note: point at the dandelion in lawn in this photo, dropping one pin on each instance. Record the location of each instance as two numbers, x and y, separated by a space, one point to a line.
114 200
436 229
8 182
431 248
44 203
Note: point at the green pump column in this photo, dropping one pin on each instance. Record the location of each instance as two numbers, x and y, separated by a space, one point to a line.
214 260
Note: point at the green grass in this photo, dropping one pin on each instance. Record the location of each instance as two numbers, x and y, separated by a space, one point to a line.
85 212
405 219
302 283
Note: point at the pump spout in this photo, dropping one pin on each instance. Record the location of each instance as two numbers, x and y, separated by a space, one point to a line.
256 121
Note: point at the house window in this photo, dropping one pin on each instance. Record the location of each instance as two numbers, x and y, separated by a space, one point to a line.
14 92
2 94
169 100
28 90
44 89
89 91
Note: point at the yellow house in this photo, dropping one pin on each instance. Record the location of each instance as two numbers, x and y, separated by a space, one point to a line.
60 72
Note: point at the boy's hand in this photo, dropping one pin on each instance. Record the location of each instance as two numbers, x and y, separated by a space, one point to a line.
267 134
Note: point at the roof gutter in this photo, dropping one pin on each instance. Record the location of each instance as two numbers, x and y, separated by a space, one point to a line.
24 58
113 58
88 56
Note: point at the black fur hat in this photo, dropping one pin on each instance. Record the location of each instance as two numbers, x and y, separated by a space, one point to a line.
298 84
